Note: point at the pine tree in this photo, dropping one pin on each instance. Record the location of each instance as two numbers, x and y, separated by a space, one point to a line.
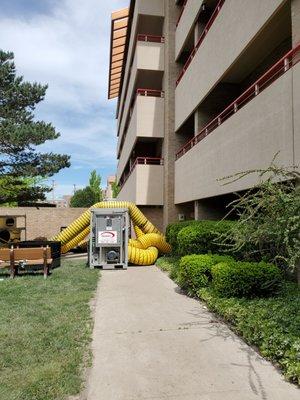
20 134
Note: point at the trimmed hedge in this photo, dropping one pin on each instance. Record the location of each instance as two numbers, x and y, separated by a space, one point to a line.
200 237
272 324
169 264
246 279
195 271
172 232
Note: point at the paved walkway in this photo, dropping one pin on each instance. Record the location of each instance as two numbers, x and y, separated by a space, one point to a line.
150 342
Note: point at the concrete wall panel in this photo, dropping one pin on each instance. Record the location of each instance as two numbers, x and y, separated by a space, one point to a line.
186 24
235 27
144 186
247 140
147 120
146 7
148 56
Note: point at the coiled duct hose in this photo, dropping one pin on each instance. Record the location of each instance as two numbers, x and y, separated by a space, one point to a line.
143 250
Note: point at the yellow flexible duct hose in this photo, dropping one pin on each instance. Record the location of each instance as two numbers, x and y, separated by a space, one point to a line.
135 243
155 240
142 257
138 232
142 251
76 241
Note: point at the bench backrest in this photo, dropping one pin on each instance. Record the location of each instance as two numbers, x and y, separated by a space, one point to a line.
31 253
5 254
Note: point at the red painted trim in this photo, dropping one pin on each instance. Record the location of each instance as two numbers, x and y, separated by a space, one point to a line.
150 38
142 161
203 35
277 70
145 93
150 92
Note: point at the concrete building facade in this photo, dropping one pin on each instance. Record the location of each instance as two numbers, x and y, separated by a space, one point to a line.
205 89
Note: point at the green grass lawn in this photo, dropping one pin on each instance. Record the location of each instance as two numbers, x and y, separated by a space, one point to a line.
272 324
45 331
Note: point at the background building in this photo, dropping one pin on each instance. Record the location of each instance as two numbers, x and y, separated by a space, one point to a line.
108 191
205 89
63 202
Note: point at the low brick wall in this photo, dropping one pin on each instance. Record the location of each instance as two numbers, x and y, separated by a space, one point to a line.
45 222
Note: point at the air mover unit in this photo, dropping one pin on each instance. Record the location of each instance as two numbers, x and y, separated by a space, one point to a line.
108 247
9 232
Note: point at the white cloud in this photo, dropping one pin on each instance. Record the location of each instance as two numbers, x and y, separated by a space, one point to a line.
69 50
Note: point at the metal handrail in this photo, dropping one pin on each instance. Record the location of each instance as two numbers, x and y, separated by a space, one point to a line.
142 161
150 38
203 35
141 38
277 70
150 92
145 93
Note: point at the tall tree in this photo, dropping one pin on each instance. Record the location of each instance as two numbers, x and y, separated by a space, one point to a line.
20 134
89 195
83 198
115 189
95 185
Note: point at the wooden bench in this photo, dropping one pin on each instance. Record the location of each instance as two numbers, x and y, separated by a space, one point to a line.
15 258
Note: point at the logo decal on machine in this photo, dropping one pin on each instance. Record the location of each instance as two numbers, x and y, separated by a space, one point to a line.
108 237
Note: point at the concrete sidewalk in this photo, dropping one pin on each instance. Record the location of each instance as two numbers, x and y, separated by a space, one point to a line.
151 342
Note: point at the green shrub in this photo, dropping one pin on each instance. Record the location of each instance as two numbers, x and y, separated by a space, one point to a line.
169 264
269 216
201 237
172 232
195 271
246 279
272 324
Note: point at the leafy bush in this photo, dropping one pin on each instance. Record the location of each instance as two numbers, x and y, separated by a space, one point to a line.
195 271
169 264
272 324
269 217
201 237
246 279
172 232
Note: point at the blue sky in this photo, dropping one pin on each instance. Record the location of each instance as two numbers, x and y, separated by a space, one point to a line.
65 43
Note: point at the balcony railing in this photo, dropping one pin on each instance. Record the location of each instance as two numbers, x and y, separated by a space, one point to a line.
278 69
140 161
202 37
145 93
140 38
150 92
181 12
150 38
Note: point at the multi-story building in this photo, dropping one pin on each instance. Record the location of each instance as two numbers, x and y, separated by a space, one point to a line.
205 89
108 193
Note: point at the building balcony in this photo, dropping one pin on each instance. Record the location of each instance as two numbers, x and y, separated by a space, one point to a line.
246 135
185 24
218 48
144 183
146 71
146 121
148 17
